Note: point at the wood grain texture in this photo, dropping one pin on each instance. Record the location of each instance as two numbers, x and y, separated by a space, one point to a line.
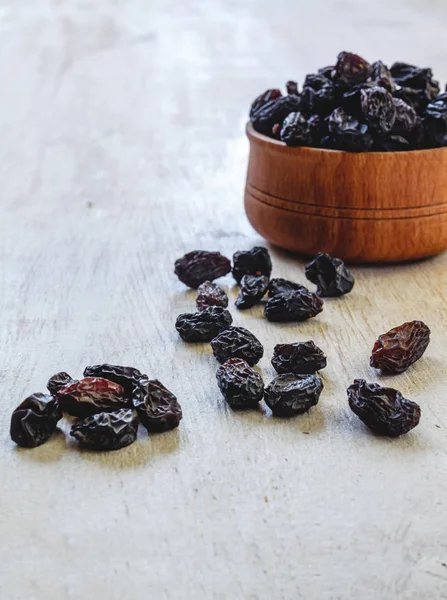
366 207
122 148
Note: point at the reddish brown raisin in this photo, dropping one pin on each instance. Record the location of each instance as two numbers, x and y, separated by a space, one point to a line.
199 266
400 347
210 294
91 395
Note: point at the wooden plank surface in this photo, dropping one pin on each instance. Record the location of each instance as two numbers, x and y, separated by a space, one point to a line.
122 147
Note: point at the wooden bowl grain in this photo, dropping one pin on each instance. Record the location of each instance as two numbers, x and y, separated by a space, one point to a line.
362 207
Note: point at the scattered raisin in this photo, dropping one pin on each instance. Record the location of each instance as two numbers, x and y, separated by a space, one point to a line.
35 420
157 407
301 358
199 266
210 294
203 326
91 395
237 342
253 289
123 376
400 347
107 430
256 261
293 306
241 386
280 286
58 381
288 394
331 275
382 409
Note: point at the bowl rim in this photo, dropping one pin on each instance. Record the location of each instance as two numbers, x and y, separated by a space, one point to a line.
252 134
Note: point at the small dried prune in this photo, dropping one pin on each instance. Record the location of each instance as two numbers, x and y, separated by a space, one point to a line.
293 306
348 133
378 109
157 407
35 420
91 395
384 410
262 99
203 326
410 76
292 88
107 430
210 294
301 358
299 131
58 381
351 69
199 266
274 112
280 286
435 121
400 347
331 275
253 289
288 394
252 262
381 75
124 376
241 386
237 342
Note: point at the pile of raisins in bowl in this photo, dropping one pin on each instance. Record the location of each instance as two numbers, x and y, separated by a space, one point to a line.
108 404
356 106
297 387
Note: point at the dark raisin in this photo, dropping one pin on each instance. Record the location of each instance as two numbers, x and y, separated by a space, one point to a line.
326 71
435 121
378 109
252 262
157 407
274 112
203 326
107 430
351 101
301 358
267 96
413 77
280 286
241 386
393 143
297 130
382 409
123 376
91 395
58 381
288 394
35 420
318 97
417 99
293 306
210 294
253 289
400 347
292 88
351 69
406 118
381 75
348 133
199 266
330 275
237 342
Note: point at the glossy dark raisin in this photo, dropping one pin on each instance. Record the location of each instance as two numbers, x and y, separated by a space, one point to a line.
123 376
348 133
157 407
413 77
400 347
326 71
107 430
58 381
351 69
256 261
237 342
381 75
203 326
210 294
318 97
288 395
293 306
406 118
199 266
280 286
274 112
292 88
297 130
417 99
263 99
241 386
382 409
351 100
35 420
301 358
253 289
330 275
435 121
378 109
91 395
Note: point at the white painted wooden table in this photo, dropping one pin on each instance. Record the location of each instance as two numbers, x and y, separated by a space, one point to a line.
121 148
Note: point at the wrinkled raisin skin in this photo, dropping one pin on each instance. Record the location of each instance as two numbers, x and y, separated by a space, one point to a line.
123 376
35 420
107 430
298 305
301 358
199 266
288 394
256 261
331 275
382 409
253 289
58 381
400 347
91 395
210 294
282 286
203 326
241 386
157 407
237 342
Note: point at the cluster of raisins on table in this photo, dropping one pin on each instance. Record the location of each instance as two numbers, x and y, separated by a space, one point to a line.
109 403
296 388
357 107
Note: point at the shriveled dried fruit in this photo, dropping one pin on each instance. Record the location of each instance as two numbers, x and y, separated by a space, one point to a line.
416 78
381 75
35 420
91 395
406 118
288 394
435 121
199 266
203 326
274 112
318 97
378 109
382 409
237 342
253 289
293 306
330 275
417 99
256 261
107 430
280 286
241 386
157 407
124 376
348 133
210 294
297 130
58 381
400 347
262 99
301 358
292 88
351 69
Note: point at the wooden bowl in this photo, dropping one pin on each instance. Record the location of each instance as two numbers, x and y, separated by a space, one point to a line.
362 207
